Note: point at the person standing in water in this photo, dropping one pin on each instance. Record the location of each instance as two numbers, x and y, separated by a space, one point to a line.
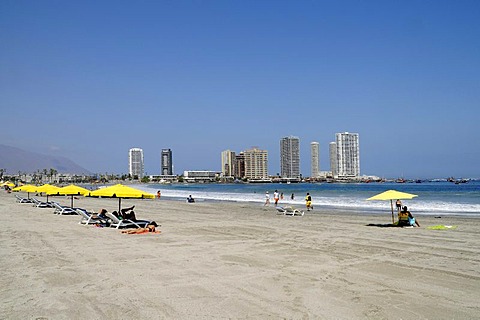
275 197
267 199
308 200
398 203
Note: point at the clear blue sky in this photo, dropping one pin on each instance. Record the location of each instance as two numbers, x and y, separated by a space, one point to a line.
90 79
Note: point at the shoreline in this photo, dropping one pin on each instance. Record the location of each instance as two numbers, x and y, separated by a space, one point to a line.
334 209
220 260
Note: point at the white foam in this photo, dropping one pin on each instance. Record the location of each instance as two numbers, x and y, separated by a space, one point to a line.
416 205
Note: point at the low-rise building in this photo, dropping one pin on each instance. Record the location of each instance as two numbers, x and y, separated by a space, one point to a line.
200 176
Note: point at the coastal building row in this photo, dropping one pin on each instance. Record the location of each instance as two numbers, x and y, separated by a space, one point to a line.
344 155
136 166
252 164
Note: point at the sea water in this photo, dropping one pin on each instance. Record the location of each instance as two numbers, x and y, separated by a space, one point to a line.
434 198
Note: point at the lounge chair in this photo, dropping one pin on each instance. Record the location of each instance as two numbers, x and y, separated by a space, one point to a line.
59 209
87 218
126 223
40 204
289 211
280 210
23 200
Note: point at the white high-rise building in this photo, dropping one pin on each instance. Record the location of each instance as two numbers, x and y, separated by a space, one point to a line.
315 154
256 164
348 155
290 157
135 163
333 158
228 163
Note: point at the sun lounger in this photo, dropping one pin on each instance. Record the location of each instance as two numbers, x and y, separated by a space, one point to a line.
41 204
289 211
23 200
59 209
88 218
280 210
125 223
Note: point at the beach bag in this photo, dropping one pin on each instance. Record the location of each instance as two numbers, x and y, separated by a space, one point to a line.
411 221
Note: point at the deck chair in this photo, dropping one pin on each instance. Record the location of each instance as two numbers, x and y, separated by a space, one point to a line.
87 218
126 223
289 211
59 209
41 204
280 210
293 212
23 200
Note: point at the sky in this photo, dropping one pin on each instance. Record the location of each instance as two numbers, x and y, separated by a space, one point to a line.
88 80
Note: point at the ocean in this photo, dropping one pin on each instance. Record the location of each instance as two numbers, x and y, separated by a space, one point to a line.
434 198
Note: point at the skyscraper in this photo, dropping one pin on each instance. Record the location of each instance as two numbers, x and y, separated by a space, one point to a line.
135 163
239 166
228 163
333 158
290 157
315 153
167 163
256 164
348 155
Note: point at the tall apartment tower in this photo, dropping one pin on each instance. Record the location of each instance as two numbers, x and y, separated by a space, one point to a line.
348 155
135 163
239 166
315 154
333 158
256 164
228 163
167 163
290 157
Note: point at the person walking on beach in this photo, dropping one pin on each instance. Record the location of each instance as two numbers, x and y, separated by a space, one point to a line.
308 200
159 194
275 197
267 199
398 203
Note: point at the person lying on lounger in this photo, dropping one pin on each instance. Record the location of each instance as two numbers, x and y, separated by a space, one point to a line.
102 214
128 213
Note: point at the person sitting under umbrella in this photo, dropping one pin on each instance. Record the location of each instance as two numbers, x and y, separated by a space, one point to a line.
406 219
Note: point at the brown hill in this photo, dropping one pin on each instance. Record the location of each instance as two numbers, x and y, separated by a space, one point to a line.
14 160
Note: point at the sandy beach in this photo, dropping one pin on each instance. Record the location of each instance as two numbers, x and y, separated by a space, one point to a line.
217 260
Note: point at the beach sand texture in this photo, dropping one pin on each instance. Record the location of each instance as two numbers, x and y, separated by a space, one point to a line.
234 261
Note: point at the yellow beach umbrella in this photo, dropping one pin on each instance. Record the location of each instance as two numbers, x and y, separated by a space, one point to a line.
46 188
70 190
8 183
120 191
392 195
25 188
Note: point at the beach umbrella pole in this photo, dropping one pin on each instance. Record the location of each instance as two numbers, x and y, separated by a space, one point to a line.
119 205
391 205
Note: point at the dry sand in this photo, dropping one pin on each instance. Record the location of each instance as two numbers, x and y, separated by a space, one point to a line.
234 261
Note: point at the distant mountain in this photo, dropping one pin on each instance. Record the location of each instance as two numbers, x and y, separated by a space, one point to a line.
14 160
